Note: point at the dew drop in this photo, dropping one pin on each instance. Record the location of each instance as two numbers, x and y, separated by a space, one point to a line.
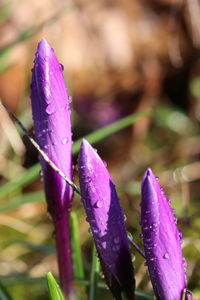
166 255
184 263
70 99
104 244
64 141
180 234
99 204
115 248
61 67
105 163
116 240
152 258
50 73
50 109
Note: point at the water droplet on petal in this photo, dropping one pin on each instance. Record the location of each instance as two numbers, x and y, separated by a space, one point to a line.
105 163
50 109
152 258
61 67
166 255
104 244
116 240
64 141
70 99
115 248
99 204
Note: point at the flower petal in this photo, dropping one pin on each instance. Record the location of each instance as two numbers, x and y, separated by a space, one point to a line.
51 115
106 220
161 239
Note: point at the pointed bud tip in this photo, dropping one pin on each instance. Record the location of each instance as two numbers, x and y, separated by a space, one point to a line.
86 148
148 173
43 48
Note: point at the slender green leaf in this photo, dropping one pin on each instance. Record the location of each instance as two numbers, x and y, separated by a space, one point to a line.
20 182
54 289
17 201
9 280
94 275
31 174
37 247
143 295
76 248
106 131
4 295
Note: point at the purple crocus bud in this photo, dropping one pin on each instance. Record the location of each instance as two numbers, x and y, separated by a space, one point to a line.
106 220
51 116
161 241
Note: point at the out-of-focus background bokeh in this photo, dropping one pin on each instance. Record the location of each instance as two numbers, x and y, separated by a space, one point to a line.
120 57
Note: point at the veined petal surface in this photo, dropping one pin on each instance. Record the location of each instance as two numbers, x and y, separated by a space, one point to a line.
162 241
51 115
106 220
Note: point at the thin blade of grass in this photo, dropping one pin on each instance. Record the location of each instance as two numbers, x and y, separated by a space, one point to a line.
10 280
4 295
17 201
76 248
54 289
32 173
94 275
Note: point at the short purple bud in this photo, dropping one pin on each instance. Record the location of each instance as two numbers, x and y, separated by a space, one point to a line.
162 243
106 220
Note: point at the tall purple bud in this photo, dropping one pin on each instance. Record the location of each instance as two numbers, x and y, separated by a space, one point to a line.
162 241
106 220
51 116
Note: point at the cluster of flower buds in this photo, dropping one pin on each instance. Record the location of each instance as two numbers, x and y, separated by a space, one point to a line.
51 115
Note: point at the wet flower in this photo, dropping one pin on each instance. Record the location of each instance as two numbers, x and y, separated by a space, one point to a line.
162 241
51 116
106 220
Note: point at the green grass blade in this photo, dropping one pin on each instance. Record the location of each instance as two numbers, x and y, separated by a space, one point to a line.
20 182
143 296
4 294
76 248
54 289
31 174
24 279
94 275
106 131
17 201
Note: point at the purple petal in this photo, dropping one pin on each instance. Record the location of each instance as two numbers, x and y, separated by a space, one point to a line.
161 241
51 115
106 221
